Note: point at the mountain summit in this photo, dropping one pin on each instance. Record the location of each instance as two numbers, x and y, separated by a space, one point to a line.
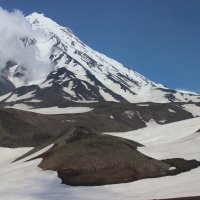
79 73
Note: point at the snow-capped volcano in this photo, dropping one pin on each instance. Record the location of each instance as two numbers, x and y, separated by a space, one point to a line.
81 74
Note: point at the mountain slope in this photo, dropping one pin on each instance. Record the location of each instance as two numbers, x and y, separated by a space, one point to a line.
80 74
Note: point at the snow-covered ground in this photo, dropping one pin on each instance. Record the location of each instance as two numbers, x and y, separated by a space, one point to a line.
192 108
15 97
25 181
174 140
5 96
51 110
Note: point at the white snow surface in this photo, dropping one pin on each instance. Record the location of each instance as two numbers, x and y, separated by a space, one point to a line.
25 181
151 123
187 91
5 96
15 97
143 104
162 134
51 110
57 110
172 111
193 109
34 101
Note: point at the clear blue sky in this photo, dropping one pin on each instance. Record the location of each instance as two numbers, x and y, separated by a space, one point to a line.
158 38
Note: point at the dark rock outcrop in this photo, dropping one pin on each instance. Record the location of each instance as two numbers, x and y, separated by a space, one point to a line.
21 128
84 158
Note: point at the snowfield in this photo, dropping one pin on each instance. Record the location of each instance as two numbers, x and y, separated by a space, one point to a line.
25 181
51 110
57 110
192 108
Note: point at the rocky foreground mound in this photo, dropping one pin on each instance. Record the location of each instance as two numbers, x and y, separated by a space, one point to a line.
84 158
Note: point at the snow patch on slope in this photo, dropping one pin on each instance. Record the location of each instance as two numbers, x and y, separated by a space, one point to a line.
172 111
151 123
16 97
57 110
51 110
24 180
164 133
193 109
5 96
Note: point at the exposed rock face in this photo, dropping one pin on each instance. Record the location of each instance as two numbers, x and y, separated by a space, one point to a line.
22 129
5 86
26 129
181 165
84 158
